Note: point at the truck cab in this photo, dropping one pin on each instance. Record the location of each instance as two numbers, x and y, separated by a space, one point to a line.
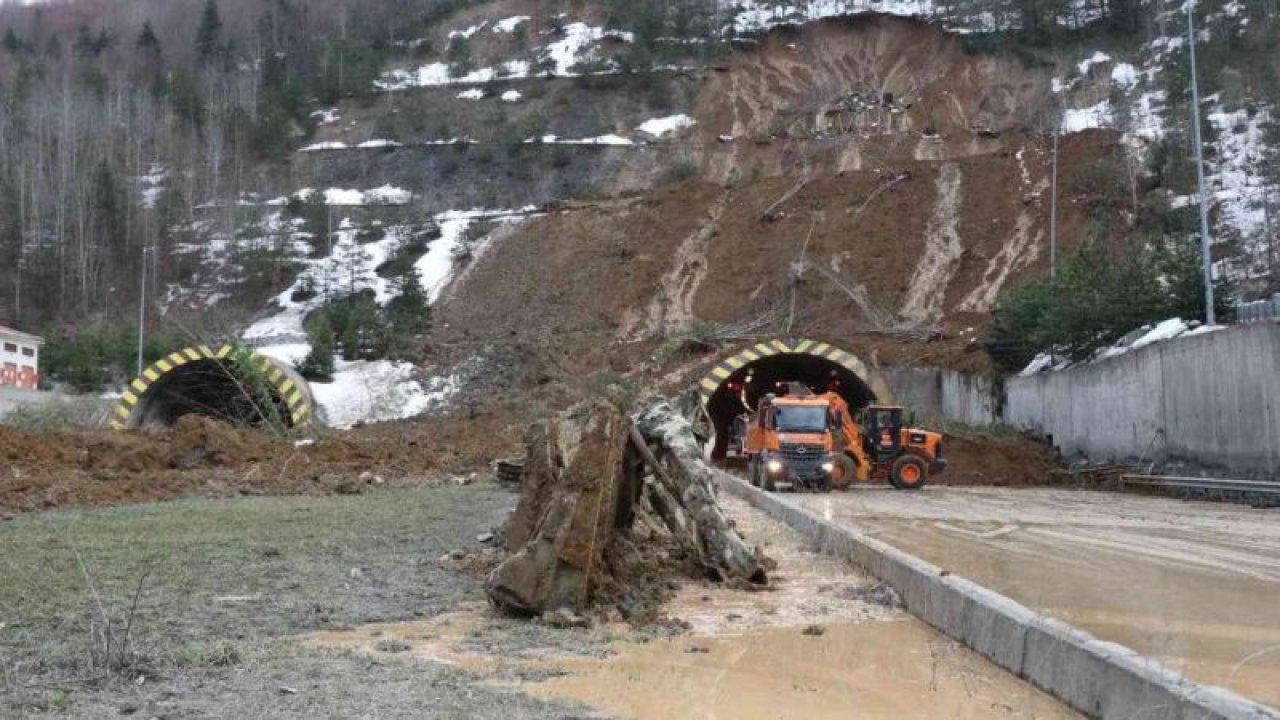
790 440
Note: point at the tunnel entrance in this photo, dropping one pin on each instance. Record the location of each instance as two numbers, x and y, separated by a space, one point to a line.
737 383
235 386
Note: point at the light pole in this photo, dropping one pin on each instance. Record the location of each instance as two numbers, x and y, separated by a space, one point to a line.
1053 207
1204 200
142 306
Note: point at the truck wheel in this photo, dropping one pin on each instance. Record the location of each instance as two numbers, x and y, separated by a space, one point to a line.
753 471
909 473
844 473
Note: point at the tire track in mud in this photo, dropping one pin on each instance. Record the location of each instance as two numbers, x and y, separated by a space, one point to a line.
942 252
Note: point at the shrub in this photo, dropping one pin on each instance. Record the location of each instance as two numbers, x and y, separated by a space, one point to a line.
1100 181
679 171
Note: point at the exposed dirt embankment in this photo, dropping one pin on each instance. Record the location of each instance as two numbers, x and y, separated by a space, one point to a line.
202 457
863 92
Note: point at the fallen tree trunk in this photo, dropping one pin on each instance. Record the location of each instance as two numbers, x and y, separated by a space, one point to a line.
690 478
587 507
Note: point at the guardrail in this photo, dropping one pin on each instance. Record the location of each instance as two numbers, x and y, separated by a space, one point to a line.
1253 492
1258 310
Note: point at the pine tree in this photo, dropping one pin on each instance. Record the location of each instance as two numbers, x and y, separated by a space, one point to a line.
209 35
318 364
147 40
409 313
12 44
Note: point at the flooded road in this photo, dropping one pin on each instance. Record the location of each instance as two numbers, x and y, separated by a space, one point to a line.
825 641
887 669
1195 585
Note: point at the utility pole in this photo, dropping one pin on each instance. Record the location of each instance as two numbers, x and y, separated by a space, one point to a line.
142 307
1053 207
1206 259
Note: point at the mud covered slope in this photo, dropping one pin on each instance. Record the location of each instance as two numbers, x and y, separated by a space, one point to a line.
859 178
863 92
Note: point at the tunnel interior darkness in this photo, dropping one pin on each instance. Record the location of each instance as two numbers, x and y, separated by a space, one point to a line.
772 374
211 388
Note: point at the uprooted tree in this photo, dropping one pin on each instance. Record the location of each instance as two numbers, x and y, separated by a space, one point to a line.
609 506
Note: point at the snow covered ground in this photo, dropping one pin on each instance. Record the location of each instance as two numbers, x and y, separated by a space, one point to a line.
577 46
1127 96
368 391
378 391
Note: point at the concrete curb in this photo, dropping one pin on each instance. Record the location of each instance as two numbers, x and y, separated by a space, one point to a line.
1097 678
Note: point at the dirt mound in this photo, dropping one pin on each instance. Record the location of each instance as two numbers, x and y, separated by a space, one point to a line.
200 456
1010 460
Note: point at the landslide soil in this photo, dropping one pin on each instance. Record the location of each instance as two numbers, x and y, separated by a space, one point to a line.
203 457
1008 461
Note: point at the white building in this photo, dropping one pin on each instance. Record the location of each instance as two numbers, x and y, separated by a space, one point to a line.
19 359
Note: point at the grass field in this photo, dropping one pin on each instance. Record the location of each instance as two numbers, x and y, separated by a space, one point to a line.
172 609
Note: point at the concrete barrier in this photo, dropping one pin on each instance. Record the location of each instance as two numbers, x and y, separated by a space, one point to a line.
1099 679
1209 399
939 393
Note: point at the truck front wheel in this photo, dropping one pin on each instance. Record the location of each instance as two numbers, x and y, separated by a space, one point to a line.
909 473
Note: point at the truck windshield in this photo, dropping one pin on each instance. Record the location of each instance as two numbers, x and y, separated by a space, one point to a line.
801 418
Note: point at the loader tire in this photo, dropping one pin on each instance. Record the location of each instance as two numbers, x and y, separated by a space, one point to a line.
753 471
910 472
845 472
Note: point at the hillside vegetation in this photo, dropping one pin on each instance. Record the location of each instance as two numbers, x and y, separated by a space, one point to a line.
267 160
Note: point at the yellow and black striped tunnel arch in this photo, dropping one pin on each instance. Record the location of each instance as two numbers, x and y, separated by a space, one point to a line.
754 354
161 383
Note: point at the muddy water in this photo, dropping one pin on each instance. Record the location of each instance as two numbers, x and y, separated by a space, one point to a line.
825 641
881 669
1194 585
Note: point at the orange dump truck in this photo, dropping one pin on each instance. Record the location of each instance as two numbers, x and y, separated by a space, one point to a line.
814 442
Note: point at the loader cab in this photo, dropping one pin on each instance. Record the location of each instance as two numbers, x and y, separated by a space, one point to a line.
883 430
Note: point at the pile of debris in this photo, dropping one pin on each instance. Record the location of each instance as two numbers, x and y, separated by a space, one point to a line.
612 509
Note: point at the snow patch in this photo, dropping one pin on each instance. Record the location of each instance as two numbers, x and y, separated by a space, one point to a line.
657 127
324 146
510 24
466 34
152 185
1097 58
436 267
602 140
1124 75
576 47
511 96
326 116
385 195
378 391
1079 119
471 94
368 144
755 16
1144 336
1238 189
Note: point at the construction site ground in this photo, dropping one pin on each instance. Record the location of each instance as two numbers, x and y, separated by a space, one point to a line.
203 458
1192 584
371 605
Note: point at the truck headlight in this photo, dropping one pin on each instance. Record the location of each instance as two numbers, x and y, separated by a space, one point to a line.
773 465
828 466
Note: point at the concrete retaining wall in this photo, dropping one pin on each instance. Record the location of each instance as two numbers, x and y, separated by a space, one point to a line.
938 393
1099 679
1210 399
